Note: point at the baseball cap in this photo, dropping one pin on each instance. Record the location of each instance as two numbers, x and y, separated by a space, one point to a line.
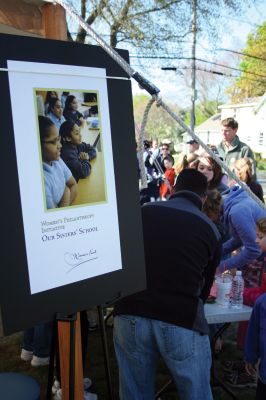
192 141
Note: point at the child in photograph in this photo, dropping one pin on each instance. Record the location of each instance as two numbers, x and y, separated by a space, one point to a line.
166 187
255 348
75 153
71 112
63 98
55 112
51 94
60 186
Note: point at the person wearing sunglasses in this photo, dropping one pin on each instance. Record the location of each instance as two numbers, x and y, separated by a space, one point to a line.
156 158
60 185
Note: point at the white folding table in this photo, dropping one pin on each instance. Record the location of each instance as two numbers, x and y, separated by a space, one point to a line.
216 314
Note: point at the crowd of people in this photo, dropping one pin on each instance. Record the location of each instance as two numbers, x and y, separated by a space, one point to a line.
197 223
235 154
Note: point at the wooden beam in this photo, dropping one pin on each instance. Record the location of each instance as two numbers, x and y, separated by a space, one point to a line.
54 22
64 355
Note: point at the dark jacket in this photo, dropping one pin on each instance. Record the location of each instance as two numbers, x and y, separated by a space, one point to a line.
238 150
73 116
182 251
70 155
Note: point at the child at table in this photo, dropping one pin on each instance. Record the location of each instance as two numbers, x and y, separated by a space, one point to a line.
60 186
71 112
76 154
255 348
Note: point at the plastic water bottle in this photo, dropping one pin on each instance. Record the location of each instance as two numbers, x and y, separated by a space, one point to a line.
236 299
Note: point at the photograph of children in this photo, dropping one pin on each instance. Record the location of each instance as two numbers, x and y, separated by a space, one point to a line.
71 150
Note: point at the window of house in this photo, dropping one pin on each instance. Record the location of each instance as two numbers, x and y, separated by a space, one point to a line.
261 138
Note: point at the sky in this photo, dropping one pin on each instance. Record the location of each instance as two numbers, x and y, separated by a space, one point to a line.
235 31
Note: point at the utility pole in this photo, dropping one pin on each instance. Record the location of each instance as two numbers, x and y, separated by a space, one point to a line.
193 69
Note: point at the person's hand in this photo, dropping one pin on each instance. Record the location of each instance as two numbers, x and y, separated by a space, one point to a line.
65 200
83 156
232 183
81 120
250 369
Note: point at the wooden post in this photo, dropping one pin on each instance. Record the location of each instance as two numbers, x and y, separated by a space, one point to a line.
54 22
64 355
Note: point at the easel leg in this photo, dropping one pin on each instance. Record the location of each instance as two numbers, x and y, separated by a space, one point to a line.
105 353
70 358
51 363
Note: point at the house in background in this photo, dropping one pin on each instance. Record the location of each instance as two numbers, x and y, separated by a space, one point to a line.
251 118
209 131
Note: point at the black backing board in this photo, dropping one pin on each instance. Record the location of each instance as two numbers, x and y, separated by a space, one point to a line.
20 309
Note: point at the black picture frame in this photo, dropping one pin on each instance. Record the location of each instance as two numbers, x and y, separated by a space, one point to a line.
19 309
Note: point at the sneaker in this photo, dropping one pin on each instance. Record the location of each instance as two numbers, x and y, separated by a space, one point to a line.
26 355
58 395
232 366
242 380
90 396
39 361
56 386
87 395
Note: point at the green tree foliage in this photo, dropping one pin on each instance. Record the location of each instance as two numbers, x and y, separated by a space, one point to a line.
252 81
160 124
203 111
153 25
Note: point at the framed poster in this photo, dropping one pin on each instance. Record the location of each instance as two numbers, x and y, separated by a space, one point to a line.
70 210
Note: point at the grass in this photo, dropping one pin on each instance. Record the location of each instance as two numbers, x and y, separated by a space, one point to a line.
10 361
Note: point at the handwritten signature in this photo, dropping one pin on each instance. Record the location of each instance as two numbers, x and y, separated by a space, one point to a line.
76 259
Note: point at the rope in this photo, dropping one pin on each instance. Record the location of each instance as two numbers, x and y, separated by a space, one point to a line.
144 83
154 91
143 175
112 53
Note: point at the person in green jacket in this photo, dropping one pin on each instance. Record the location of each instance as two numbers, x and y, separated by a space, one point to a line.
231 148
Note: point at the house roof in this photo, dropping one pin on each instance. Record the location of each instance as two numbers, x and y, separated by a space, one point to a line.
250 102
211 124
261 102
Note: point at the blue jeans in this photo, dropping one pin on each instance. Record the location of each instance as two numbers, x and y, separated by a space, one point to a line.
140 342
37 339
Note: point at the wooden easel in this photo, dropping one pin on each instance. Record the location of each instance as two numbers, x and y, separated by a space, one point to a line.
70 357
68 330
66 351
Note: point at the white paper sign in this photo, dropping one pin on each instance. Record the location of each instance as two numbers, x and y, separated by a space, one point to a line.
64 245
